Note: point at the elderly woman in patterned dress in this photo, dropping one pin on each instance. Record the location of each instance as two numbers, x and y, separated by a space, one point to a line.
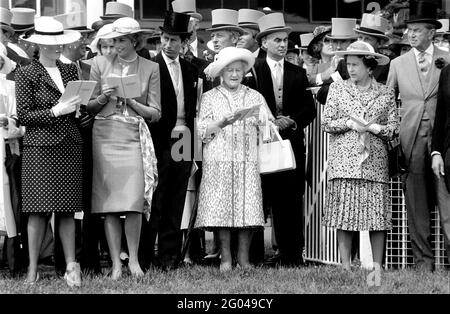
361 117
230 191
52 154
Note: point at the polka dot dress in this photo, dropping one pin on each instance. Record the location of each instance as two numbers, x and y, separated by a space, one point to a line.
52 168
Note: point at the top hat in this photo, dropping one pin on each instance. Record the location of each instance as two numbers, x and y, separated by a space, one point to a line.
445 29
22 19
5 20
76 21
272 23
305 39
423 12
319 33
49 31
225 19
361 48
373 25
248 18
187 7
175 23
342 29
115 10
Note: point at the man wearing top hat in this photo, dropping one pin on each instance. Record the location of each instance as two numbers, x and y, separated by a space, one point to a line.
284 86
224 30
416 76
178 111
248 21
197 45
341 36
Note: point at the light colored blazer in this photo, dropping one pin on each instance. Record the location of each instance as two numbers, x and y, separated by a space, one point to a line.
404 75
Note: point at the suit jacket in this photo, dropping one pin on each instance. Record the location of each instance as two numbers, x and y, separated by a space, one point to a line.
404 76
169 107
20 61
36 94
441 135
298 102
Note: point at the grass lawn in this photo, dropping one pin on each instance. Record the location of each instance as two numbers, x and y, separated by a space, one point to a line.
208 280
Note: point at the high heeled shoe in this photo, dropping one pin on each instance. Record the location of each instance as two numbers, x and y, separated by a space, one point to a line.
30 283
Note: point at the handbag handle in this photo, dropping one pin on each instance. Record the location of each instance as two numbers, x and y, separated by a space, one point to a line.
277 134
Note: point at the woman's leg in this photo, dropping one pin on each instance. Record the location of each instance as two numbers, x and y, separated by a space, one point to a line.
113 232
36 229
133 224
377 243
245 239
226 260
66 230
345 247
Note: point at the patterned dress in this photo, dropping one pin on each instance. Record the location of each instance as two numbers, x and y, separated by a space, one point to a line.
358 188
230 191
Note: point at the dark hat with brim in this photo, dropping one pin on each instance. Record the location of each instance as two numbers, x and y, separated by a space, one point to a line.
292 47
371 32
423 12
320 32
176 23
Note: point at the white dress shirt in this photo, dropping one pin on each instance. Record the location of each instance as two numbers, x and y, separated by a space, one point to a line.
194 47
428 55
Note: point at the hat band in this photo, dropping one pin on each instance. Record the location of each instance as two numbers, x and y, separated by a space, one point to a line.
20 26
125 30
49 33
223 25
4 24
370 30
273 28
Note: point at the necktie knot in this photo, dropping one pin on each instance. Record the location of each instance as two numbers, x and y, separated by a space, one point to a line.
423 62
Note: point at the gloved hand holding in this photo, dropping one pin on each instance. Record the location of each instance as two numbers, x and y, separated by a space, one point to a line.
355 126
374 128
66 107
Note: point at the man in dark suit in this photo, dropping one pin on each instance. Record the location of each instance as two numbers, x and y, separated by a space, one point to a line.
440 146
284 87
178 111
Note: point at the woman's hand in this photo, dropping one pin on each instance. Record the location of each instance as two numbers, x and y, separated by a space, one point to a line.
3 121
108 90
227 120
66 107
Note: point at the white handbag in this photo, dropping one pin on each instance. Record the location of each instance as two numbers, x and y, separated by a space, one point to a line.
276 156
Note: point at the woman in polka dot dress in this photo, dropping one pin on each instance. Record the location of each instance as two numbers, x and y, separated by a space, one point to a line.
52 153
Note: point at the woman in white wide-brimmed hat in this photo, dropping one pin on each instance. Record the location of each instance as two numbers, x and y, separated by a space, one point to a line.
52 152
124 160
230 191
361 116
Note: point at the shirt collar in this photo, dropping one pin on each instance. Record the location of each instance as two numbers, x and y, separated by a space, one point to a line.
65 60
272 63
256 53
168 60
429 51
194 44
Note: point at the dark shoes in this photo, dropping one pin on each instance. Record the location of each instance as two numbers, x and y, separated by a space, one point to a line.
280 260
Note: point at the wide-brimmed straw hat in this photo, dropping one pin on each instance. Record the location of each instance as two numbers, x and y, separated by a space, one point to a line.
225 19
229 55
373 25
272 23
49 31
105 30
5 20
361 48
22 19
125 26
423 12
187 7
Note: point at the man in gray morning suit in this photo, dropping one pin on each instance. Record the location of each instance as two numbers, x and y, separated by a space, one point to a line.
416 76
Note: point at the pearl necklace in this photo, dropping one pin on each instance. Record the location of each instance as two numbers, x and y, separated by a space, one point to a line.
129 61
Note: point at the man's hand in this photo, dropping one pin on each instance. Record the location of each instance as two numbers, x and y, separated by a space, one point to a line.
284 122
437 164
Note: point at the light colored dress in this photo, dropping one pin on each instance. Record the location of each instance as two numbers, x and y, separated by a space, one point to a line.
124 161
230 190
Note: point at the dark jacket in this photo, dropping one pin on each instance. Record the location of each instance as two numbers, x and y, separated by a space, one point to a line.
161 131
20 61
36 94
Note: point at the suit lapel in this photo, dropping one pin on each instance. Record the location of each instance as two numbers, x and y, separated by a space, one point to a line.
414 72
46 79
434 74
187 84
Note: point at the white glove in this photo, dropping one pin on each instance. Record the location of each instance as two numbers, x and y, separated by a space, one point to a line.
374 128
355 126
66 107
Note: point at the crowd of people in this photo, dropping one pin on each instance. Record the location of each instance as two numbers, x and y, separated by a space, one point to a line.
175 151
